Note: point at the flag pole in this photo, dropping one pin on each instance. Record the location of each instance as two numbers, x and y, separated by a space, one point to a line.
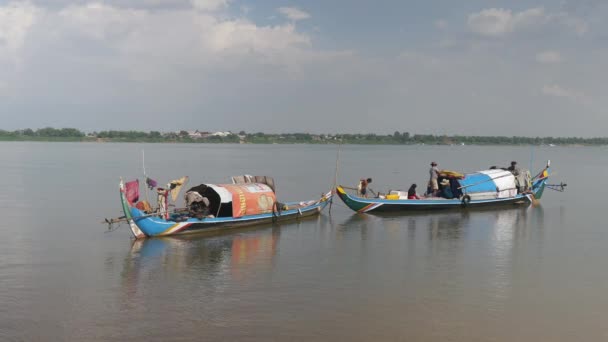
143 164
333 189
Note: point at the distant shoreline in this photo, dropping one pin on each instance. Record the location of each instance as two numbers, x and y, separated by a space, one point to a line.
119 141
49 134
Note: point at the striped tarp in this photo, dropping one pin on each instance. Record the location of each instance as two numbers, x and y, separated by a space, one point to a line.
489 184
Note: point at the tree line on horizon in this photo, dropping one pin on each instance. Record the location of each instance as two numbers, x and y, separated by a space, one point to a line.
73 134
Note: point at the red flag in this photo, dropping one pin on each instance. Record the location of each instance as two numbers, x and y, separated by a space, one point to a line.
132 191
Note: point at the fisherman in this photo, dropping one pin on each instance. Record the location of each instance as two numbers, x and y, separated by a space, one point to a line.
514 169
434 173
362 187
411 193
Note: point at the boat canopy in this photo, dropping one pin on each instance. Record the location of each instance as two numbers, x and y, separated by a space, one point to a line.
495 183
237 200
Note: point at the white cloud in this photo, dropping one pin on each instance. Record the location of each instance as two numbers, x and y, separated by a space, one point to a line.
570 94
294 13
16 19
441 24
151 40
151 59
548 57
496 22
209 5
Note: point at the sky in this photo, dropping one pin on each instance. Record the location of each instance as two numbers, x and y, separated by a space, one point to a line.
476 67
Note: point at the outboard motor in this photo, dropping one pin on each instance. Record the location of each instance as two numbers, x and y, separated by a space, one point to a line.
198 206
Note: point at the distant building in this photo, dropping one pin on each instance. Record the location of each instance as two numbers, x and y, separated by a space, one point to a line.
221 134
199 134
195 135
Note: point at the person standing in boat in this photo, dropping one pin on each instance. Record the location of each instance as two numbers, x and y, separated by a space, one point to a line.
434 173
513 168
362 187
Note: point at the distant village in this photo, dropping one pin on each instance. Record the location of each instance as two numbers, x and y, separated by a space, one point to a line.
203 135
244 137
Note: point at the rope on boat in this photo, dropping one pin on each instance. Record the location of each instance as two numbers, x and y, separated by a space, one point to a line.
276 211
465 200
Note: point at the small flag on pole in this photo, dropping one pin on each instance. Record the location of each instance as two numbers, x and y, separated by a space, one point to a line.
151 183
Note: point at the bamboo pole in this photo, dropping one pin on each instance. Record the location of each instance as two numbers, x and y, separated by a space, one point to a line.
333 189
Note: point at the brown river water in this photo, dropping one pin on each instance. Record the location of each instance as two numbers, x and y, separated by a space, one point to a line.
527 274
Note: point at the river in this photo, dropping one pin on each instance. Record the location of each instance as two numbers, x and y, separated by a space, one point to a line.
528 274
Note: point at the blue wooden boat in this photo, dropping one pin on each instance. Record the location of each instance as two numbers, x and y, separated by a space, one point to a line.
487 188
254 203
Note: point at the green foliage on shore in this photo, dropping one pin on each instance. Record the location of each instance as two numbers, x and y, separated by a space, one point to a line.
397 138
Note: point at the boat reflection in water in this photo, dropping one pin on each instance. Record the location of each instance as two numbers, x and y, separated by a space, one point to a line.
229 257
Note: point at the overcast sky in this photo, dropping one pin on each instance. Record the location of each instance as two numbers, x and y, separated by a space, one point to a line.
476 67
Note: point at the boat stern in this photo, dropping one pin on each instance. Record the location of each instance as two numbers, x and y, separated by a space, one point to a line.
126 207
539 184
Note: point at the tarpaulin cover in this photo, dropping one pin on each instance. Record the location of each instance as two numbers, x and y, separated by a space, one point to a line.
505 182
477 182
250 199
225 195
497 181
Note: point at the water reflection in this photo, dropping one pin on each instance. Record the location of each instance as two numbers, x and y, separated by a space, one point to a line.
356 223
233 256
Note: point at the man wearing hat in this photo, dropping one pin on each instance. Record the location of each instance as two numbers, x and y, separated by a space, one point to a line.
446 189
434 172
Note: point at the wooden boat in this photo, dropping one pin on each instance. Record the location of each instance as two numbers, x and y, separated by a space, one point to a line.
485 188
227 206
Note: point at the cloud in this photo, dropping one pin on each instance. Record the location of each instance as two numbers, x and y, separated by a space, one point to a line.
294 13
209 5
16 19
97 64
548 57
441 24
146 42
570 94
497 22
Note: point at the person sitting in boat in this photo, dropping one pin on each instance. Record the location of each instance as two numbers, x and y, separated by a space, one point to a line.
434 173
411 192
446 189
